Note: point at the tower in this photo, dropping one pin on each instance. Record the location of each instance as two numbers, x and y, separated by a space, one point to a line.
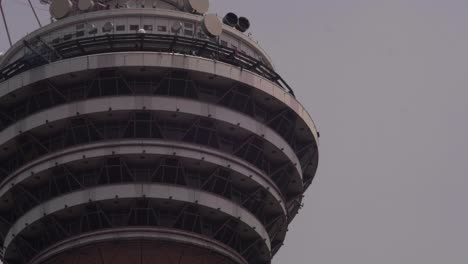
147 132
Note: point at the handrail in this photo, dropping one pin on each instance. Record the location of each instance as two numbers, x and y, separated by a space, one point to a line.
139 42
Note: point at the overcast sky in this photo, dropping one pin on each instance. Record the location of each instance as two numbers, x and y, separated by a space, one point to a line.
386 82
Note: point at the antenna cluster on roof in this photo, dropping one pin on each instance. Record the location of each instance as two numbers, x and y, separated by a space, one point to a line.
60 9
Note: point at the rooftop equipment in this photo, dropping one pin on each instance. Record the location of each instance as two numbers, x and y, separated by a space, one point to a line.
231 19
243 25
212 25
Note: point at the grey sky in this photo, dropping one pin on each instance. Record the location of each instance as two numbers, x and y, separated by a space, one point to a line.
386 82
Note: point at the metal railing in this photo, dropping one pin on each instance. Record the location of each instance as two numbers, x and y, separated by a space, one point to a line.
42 53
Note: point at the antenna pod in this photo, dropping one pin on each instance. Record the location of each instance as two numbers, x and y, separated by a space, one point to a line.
60 8
84 5
230 19
212 25
197 6
243 25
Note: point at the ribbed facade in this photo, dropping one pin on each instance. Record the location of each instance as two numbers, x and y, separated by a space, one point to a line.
129 136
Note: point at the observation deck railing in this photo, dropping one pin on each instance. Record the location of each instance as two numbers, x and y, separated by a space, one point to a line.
42 53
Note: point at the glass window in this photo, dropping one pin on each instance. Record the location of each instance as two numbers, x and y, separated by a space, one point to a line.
162 28
120 28
134 27
201 35
67 37
108 27
176 27
224 43
79 33
188 32
93 31
148 27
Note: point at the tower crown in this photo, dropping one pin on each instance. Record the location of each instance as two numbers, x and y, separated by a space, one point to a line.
60 9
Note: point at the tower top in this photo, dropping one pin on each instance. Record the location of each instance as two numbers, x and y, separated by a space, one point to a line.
60 9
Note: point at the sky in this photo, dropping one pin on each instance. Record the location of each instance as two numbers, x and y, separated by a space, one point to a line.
386 83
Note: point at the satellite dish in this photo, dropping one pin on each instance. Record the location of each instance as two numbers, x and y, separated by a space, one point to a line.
60 8
141 31
243 25
197 6
84 5
212 25
230 19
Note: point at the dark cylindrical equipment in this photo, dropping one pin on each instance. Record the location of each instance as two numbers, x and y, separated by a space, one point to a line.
243 24
230 19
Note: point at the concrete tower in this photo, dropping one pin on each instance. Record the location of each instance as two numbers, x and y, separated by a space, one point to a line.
147 132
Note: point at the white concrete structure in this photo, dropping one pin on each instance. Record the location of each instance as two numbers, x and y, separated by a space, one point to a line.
139 130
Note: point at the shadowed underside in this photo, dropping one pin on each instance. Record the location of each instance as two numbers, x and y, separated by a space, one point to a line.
140 245
138 251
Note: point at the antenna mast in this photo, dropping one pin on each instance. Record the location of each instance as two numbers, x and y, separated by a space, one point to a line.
6 25
34 12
